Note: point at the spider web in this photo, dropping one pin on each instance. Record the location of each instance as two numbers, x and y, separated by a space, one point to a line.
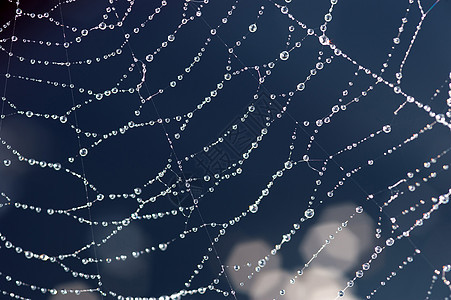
225 149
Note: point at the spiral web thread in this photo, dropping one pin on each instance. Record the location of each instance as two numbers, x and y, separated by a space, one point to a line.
399 204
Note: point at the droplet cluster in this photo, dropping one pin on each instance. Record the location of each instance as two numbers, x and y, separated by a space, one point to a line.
333 162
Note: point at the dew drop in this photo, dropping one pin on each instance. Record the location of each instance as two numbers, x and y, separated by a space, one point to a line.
309 213
253 208
328 17
253 27
324 40
300 86
284 55
83 152
389 242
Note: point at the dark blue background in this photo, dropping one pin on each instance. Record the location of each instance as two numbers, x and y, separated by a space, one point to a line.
362 29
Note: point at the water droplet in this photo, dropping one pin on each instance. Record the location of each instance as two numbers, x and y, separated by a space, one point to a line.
83 152
309 213
389 242
253 208
324 40
284 55
300 86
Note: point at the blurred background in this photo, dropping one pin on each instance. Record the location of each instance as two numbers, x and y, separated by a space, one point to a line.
157 157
